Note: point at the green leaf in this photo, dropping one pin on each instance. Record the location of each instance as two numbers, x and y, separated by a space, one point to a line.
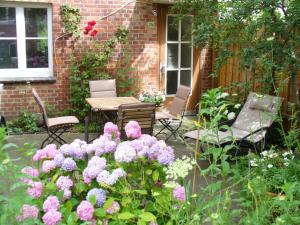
225 167
155 175
93 199
50 187
141 222
147 217
72 218
126 216
141 192
100 213
148 172
126 201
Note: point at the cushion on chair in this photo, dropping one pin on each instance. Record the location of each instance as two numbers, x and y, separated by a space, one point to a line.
103 88
62 121
164 115
264 104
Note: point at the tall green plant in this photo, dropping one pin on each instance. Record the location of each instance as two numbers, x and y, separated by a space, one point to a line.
267 32
91 65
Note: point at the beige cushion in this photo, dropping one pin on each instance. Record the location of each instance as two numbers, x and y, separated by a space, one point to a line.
61 121
264 104
103 88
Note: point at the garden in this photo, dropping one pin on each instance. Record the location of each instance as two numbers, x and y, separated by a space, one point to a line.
147 180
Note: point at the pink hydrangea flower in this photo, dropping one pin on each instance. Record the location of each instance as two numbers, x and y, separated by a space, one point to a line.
111 131
30 171
51 203
28 211
48 165
179 193
67 194
52 217
85 211
49 152
64 182
35 190
133 130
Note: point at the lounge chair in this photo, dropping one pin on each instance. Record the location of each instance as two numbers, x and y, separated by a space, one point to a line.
143 113
250 126
172 119
57 126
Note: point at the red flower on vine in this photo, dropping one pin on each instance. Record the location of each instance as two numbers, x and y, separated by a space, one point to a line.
90 27
94 33
92 23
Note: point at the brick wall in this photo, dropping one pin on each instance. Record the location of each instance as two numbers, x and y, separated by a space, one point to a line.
137 17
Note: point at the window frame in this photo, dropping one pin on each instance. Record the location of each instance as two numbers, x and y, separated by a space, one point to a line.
179 44
23 73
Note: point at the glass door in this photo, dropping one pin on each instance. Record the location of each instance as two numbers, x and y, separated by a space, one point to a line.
179 53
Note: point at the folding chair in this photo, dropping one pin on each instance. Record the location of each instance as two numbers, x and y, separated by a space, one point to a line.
100 89
172 120
55 127
250 126
143 113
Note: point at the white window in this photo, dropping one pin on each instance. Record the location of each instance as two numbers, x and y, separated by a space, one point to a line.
179 53
25 41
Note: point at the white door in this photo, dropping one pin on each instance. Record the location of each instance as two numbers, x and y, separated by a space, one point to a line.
179 53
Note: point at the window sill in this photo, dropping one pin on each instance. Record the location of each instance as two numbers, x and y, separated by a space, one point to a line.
27 79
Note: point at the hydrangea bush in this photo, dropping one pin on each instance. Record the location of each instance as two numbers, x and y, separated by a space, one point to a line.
105 182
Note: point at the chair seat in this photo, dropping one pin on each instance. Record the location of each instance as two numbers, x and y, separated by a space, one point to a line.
62 121
164 115
222 137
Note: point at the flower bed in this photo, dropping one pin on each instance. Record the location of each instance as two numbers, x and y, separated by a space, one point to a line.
105 182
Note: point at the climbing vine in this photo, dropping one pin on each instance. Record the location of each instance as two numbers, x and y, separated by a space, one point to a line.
71 19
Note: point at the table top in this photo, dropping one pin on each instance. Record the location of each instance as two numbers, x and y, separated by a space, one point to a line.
110 103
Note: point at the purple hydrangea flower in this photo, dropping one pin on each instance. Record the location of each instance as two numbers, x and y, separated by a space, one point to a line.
99 194
28 211
30 171
119 172
67 150
166 156
147 140
48 165
58 159
35 190
69 164
48 152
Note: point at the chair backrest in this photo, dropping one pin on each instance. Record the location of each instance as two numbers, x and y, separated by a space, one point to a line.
41 106
180 100
103 88
259 111
143 113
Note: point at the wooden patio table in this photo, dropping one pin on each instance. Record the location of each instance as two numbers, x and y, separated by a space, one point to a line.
106 104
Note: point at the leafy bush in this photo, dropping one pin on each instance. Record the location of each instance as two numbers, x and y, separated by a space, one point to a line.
26 122
219 105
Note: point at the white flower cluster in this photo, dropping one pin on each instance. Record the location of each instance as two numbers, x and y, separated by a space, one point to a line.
179 168
223 95
267 155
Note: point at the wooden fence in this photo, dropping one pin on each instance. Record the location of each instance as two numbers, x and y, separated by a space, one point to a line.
232 75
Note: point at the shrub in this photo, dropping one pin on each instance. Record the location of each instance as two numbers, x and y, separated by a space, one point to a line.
107 180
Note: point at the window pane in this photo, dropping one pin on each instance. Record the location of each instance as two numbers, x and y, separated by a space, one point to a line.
7 22
172 29
185 77
186 55
186 28
172 54
172 81
37 53
36 22
8 54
